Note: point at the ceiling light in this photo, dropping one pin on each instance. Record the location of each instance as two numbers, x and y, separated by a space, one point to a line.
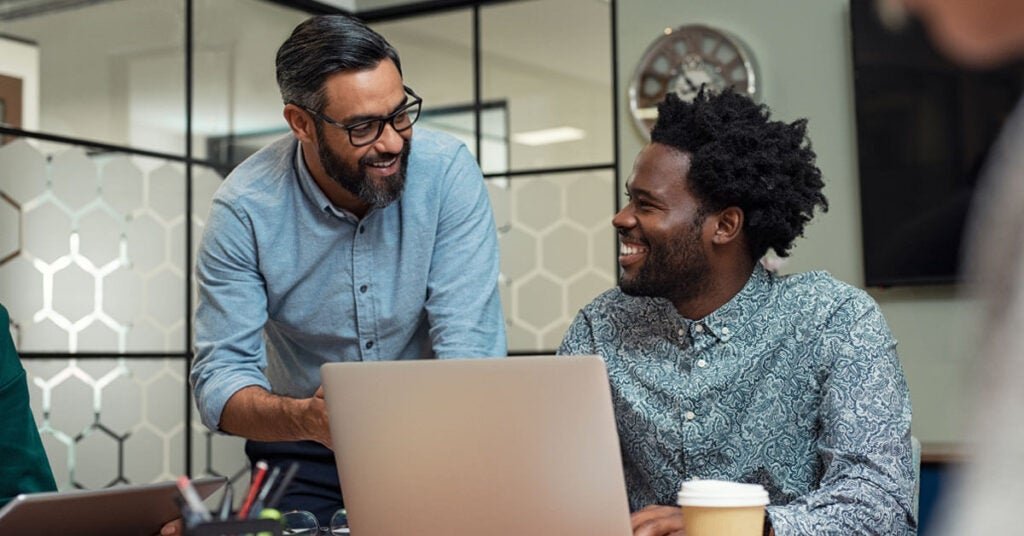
548 136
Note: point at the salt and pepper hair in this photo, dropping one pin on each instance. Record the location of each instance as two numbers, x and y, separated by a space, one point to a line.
322 46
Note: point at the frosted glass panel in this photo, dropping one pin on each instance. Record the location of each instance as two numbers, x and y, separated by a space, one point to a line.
557 251
220 455
97 264
109 421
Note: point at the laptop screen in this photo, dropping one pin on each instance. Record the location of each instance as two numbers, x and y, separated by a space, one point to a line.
520 445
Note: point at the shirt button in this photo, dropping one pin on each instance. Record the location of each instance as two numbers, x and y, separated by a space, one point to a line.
362 288
681 332
701 363
699 328
725 331
362 229
690 415
369 344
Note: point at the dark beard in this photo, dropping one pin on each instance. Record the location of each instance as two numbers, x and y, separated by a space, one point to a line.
677 272
376 195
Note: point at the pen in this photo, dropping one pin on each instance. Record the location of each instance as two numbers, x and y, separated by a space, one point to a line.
196 509
254 488
224 512
254 512
289 474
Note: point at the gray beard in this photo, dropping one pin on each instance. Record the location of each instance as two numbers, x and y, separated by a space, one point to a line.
356 180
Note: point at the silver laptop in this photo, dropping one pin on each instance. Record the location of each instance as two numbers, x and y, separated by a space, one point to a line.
514 446
129 510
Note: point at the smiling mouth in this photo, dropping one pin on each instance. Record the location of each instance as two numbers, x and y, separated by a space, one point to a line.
385 167
631 253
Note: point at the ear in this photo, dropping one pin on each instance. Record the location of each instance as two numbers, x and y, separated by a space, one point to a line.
301 123
728 225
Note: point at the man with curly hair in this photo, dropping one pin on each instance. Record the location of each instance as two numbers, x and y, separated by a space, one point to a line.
723 370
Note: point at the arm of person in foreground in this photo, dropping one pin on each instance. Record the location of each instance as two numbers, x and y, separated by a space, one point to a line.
25 467
463 304
864 443
231 392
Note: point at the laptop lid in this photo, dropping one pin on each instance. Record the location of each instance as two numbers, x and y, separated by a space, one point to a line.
514 446
129 510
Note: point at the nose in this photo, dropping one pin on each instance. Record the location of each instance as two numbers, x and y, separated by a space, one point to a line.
390 141
624 219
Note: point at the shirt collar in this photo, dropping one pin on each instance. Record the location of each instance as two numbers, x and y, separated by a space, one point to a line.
313 191
727 320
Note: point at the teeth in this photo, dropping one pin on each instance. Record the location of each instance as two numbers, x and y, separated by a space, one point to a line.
383 164
631 249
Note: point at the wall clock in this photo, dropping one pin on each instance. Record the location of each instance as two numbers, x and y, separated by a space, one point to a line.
682 60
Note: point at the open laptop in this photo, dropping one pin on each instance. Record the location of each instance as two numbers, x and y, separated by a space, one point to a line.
129 510
464 447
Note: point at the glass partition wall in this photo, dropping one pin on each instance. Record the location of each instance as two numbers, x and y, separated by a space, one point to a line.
132 111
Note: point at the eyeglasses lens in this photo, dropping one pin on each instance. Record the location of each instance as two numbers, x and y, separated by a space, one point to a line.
368 133
300 523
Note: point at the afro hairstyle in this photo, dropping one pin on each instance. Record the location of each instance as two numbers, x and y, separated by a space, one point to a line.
740 157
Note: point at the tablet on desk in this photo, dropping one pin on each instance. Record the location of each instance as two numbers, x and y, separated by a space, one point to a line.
129 510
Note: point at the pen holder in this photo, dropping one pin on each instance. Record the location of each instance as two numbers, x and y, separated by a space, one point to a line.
238 527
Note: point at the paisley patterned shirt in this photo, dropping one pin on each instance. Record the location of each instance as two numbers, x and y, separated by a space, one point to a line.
793 384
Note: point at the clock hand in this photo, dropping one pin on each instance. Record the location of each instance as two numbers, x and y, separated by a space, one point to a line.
689 82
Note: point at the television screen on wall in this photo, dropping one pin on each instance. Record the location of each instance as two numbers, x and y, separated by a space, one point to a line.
924 128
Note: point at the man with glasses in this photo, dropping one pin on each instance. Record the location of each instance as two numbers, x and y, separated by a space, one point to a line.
350 239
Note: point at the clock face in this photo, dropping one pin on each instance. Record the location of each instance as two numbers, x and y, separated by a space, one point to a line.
682 61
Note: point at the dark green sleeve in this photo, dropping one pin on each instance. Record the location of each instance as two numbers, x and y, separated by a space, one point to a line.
24 468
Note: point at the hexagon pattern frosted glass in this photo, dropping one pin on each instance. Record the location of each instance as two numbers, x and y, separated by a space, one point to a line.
557 251
94 260
119 420
109 421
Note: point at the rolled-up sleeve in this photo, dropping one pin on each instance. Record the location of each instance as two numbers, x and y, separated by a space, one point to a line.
230 314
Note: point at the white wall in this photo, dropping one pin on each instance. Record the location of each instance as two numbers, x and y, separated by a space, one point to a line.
21 60
802 48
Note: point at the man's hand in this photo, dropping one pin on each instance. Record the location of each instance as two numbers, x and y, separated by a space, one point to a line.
319 408
657 520
172 528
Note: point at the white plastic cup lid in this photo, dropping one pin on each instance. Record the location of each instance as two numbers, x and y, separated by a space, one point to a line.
720 493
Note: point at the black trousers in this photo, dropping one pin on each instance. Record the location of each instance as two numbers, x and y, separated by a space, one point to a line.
315 487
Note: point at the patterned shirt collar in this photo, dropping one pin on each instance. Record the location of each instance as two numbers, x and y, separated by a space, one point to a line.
727 320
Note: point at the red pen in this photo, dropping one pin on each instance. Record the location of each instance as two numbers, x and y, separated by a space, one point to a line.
257 479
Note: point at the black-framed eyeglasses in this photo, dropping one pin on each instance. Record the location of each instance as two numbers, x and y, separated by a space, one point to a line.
368 131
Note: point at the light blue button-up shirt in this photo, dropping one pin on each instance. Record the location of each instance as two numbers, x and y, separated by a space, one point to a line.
288 282
793 384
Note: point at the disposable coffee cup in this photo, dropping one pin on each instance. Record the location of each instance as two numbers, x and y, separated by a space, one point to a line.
720 508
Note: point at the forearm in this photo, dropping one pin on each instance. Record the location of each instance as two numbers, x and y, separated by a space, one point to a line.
255 413
858 512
